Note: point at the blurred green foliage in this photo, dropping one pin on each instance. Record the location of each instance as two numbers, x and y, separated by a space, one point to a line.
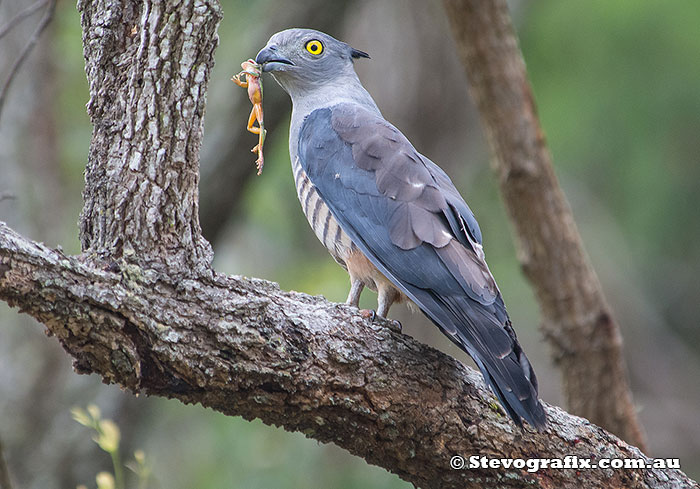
618 90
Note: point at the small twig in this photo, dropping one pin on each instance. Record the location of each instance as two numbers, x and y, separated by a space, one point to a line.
21 15
48 15
4 473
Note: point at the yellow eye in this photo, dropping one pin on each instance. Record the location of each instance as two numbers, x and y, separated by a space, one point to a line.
314 47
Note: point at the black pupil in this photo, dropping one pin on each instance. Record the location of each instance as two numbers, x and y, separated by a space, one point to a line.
314 47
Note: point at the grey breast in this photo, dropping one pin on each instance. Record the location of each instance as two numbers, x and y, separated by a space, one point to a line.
324 225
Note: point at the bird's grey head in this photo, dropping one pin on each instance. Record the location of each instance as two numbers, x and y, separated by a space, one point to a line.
305 60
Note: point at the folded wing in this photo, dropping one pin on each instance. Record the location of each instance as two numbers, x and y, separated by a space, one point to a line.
403 212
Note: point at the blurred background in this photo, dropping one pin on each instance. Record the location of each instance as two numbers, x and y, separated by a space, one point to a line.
617 86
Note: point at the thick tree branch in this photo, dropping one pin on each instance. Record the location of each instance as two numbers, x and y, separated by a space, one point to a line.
576 319
244 347
147 65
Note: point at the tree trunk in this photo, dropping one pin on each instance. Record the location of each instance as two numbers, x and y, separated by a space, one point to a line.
142 309
576 319
147 65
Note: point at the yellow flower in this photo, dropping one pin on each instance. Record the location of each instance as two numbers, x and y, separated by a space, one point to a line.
108 438
105 480
94 411
81 416
140 457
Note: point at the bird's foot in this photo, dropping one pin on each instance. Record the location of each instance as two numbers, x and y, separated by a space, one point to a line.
392 324
395 325
368 314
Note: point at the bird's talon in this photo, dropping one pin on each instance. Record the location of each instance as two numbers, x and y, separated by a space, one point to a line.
395 325
368 314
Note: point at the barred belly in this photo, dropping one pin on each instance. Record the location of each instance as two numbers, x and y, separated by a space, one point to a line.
337 242
326 228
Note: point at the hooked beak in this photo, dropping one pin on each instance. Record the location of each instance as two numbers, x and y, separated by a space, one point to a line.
272 60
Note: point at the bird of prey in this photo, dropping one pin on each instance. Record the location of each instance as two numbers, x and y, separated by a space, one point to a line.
390 216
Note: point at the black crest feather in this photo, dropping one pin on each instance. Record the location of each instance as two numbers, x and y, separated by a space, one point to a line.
356 53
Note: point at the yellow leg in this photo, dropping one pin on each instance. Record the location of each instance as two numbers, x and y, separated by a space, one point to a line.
251 121
261 140
258 147
256 115
257 110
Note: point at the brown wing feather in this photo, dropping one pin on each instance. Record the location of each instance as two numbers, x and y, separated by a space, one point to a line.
417 215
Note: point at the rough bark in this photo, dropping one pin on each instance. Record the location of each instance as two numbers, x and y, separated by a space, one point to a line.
244 347
147 65
576 319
